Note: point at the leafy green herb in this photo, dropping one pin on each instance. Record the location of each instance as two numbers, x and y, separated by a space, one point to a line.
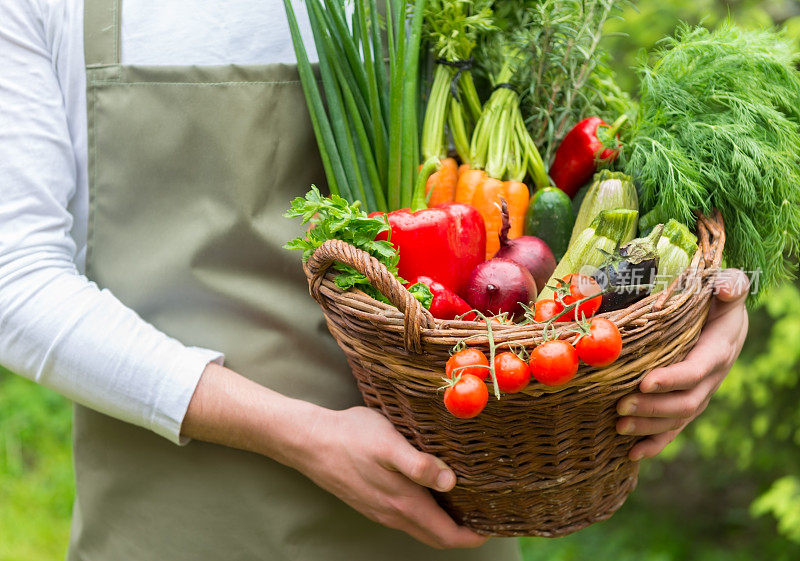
333 218
719 127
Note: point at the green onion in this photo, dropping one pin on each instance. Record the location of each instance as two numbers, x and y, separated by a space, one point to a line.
366 129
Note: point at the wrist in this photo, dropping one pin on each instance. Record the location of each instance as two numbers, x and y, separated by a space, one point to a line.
233 411
293 435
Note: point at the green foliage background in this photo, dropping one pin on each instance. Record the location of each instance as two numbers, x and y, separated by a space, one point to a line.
727 489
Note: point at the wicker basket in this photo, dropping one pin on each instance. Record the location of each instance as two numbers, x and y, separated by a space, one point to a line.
542 462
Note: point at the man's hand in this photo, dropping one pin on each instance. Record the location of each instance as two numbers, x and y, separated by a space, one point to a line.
355 454
361 458
673 396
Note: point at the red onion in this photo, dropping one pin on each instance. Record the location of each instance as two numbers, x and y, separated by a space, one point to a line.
499 285
529 251
533 254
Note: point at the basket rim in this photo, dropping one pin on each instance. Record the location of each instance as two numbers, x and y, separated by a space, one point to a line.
417 322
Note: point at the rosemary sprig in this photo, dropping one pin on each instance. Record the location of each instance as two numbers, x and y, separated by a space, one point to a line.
568 77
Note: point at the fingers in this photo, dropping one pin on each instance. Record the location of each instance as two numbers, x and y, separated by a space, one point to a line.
711 352
678 405
425 520
650 447
719 343
732 287
643 426
423 469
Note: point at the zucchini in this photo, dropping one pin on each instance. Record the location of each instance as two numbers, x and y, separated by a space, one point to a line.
607 232
550 219
676 248
609 190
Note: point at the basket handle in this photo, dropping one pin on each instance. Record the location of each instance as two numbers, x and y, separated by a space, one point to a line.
415 316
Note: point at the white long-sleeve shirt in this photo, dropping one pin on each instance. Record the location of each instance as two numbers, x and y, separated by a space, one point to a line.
57 327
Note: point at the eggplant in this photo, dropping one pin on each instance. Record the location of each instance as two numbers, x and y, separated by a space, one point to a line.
628 274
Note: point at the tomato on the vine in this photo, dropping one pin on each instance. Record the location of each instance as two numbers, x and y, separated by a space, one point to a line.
465 359
466 397
602 345
548 308
512 373
580 287
554 363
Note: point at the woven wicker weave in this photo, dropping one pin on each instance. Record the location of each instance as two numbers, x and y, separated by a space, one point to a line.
542 462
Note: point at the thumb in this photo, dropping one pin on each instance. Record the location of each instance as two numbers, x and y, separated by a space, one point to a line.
731 287
423 469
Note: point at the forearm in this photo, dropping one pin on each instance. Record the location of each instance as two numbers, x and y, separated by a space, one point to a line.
231 410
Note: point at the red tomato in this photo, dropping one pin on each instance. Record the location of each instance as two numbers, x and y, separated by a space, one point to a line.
580 287
467 357
545 309
513 373
603 344
554 363
467 397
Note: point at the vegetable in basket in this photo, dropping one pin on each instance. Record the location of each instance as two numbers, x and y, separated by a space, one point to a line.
608 190
333 218
367 127
610 229
466 396
589 144
500 286
452 28
676 248
529 251
599 343
468 361
550 218
444 243
513 374
501 154
554 363
719 127
487 198
568 77
629 272
445 304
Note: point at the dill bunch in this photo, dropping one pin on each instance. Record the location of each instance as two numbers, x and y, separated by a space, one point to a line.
719 127
568 78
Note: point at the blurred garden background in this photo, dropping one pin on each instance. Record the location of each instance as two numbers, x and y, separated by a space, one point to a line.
727 489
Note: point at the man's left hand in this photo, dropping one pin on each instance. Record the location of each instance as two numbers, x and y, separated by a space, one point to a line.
671 397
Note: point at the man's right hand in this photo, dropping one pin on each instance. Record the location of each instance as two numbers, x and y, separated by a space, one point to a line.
360 457
355 454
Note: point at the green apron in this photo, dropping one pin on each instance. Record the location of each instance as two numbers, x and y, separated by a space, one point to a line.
190 170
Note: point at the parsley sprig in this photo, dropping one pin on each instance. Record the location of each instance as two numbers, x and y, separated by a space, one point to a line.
333 218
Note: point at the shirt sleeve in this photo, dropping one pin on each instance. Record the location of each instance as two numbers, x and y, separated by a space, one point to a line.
57 327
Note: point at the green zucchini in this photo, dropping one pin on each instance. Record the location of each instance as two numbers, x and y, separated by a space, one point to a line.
676 248
609 190
550 218
607 232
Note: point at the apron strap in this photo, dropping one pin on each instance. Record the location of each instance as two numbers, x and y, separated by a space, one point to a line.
101 32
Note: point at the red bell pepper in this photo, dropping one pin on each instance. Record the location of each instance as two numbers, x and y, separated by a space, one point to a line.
444 243
579 153
446 304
